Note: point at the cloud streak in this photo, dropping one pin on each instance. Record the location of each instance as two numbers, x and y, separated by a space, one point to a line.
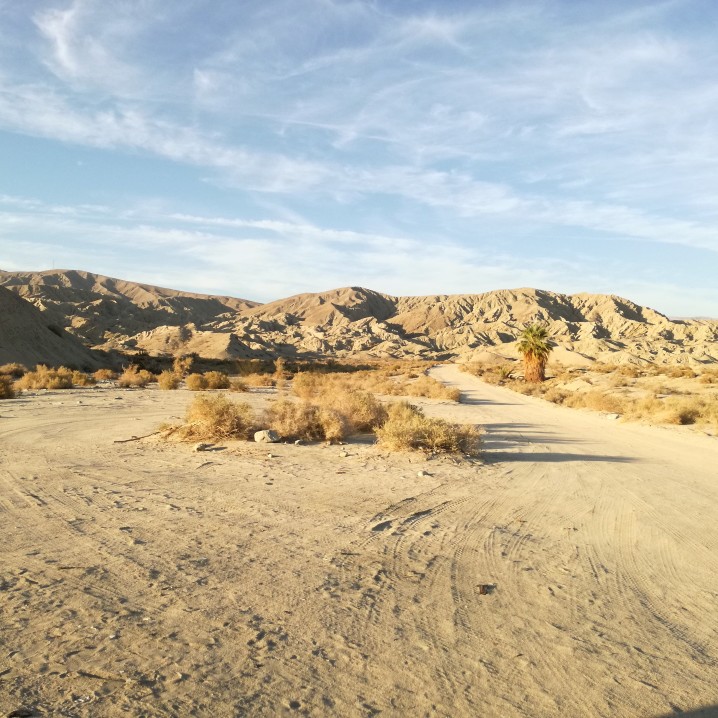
396 127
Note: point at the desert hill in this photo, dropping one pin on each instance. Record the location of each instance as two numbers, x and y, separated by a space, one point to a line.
105 311
27 336
352 321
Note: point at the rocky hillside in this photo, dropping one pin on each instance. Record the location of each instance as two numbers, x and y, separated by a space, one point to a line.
352 321
28 336
106 311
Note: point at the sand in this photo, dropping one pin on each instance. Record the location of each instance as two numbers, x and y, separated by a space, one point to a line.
144 579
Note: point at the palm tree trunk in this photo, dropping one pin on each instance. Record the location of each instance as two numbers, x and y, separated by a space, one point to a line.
534 369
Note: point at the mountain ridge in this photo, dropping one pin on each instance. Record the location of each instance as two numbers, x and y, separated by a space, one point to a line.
109 313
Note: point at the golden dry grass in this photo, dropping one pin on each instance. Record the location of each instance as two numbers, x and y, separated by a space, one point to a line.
215 417
13 370
408 428
7 390
258 380
196 382
309 385
217 380
105 374
45 378
135 377
168 381
302 420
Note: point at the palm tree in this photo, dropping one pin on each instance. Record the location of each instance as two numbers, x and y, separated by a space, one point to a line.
535 346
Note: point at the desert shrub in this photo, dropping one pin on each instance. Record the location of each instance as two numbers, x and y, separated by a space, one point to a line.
308 384
133 376
168 381
432 389
217 380
7 390
182 366
408 428
14 370
45 378
555 395
683 413
678 372
104 374
259 380
302 420
80 378
596 401
213 417
196 382
361 409
238 385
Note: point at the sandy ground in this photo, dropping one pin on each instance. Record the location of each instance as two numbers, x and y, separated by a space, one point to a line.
143 579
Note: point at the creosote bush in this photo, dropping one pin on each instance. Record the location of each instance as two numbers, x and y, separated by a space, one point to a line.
168 381
217 380
14 370
105 375
238 385
196 382
79 378
133 376
302 420
7 390
214 417
310 385
45 378
408 428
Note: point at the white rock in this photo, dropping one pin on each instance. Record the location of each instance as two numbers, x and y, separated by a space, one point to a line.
266 436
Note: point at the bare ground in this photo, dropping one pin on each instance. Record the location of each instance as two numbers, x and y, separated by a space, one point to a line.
143 579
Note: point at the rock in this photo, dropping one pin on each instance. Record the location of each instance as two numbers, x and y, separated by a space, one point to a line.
612 416
202 447
421 474
344 454
266 436
298 442
270 455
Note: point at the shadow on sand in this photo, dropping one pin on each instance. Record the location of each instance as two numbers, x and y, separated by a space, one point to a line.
504 443
705 712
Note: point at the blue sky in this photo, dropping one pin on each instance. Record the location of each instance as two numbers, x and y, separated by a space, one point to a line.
262 149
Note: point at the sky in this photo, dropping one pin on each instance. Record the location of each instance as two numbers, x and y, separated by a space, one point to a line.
263 149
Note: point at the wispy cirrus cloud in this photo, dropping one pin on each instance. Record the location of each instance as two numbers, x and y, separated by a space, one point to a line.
443 124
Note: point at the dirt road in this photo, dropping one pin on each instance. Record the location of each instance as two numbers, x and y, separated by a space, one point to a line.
143 579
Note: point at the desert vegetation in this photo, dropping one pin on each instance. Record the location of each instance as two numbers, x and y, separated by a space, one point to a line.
407 427
663 394
14 370
7 390
168 381
213 417
44 377
535 347
134 377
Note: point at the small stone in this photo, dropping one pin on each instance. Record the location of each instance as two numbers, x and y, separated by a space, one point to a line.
421 474
266 436
298 442
612 416
202 447
270 455
344 454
